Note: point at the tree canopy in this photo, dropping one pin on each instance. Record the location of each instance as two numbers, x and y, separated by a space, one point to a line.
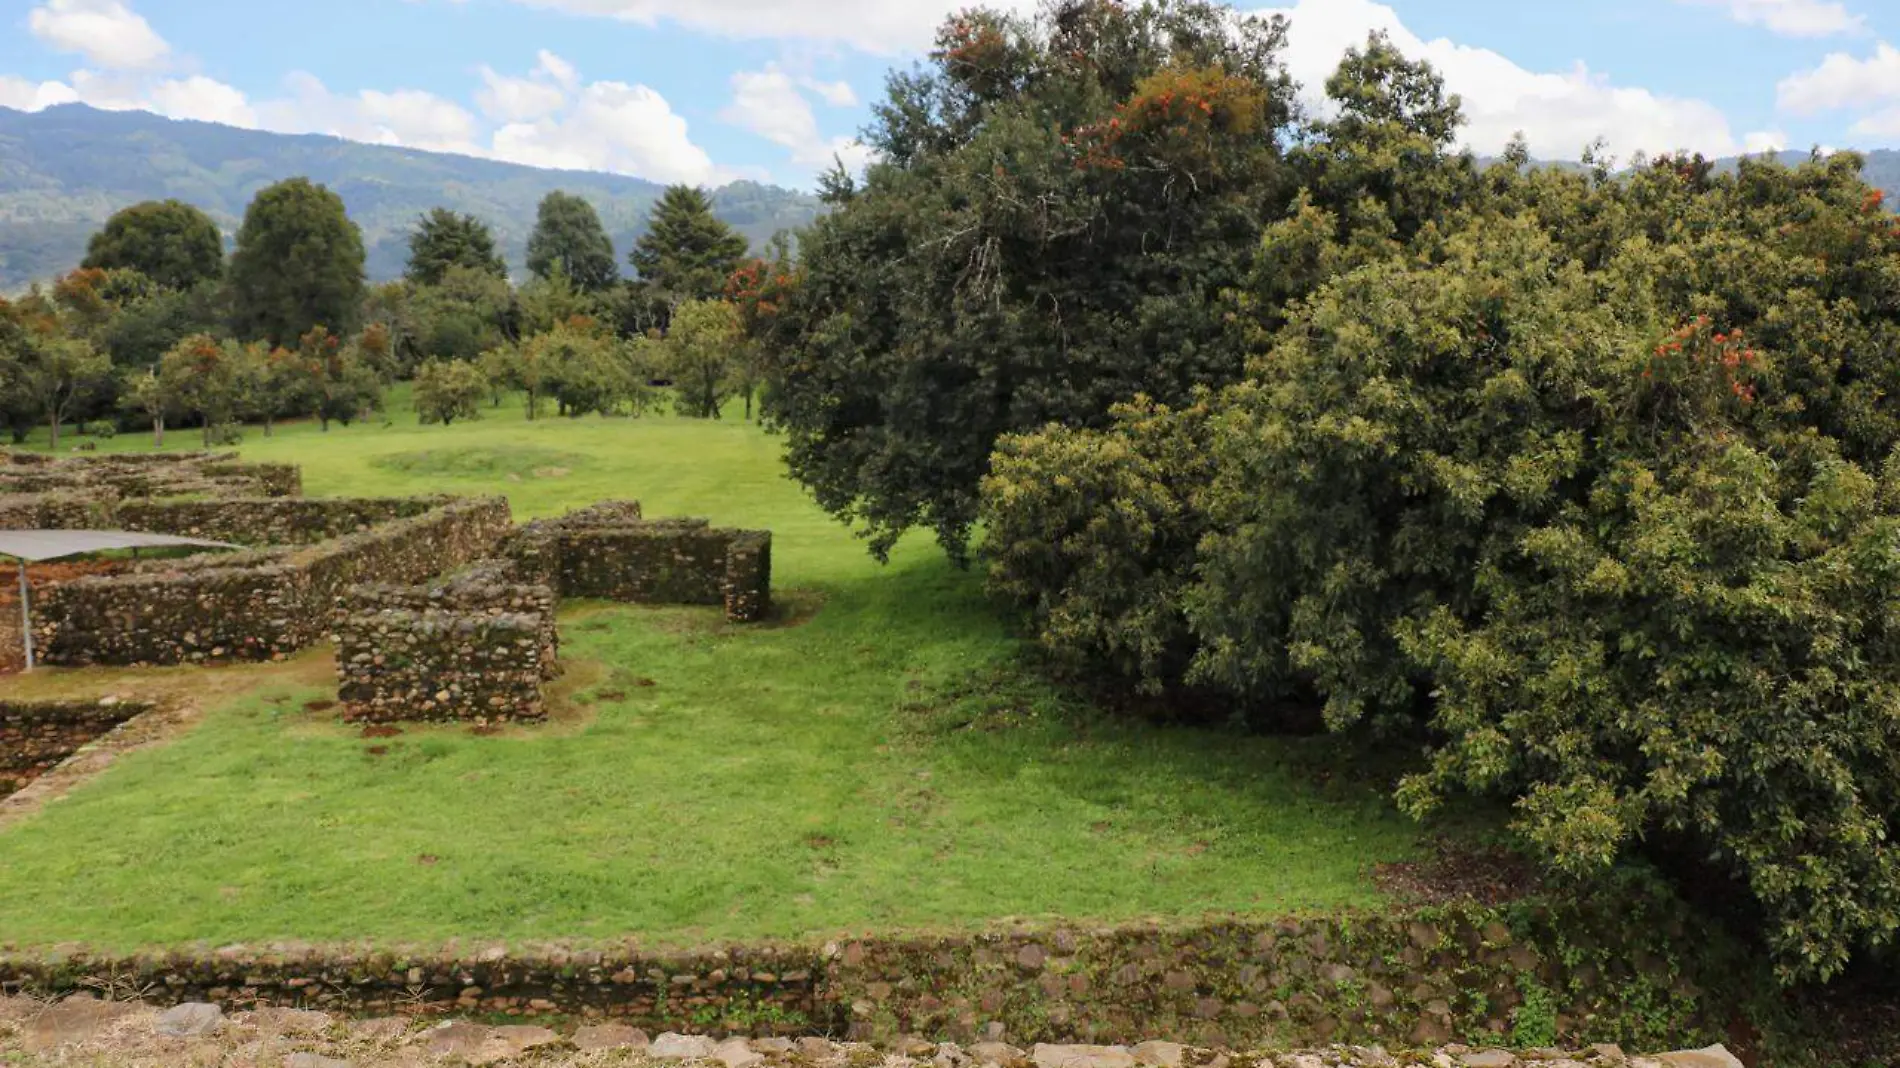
687 253
568 236
1060 204
444 240
298 264
168 241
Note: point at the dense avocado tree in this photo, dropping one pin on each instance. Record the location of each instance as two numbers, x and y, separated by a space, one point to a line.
170 242
568 237
444 240
1584 482
1058 207
298 264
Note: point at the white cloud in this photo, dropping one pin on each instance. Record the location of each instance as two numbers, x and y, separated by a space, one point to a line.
1841 81
23 95
1559 112
1790 18
202 98
885 27
768 103
1868 87
1759 141
108 33
407 117
837 94
612 126
542 93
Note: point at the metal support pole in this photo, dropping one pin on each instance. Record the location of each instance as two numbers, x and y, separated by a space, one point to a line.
26 617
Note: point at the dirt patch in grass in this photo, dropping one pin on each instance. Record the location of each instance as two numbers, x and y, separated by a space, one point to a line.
484 462
1453 871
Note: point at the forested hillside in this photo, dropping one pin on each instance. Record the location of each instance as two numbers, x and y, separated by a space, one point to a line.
65 169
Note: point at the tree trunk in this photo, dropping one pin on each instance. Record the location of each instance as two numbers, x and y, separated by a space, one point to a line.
267 424
207 431
53 418
531 400
158 431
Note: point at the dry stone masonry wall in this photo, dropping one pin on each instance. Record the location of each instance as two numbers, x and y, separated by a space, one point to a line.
479 645
35 736
1515 975
148 475
475 646
610 552
269 521
258 606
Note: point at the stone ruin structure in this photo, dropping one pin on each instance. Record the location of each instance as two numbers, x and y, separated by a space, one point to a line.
441 607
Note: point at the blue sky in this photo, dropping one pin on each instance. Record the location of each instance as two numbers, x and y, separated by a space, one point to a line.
710 90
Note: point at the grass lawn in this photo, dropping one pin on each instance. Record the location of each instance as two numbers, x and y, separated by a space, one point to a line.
875 762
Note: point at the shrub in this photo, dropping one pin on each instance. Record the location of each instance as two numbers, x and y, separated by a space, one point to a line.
101 428
447 390
1093 533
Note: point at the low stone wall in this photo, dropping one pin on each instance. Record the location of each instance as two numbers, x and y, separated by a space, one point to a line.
475 646
1525 974
57 511
149 475
35 736
747 588
400 665
259 606
609 552
270 520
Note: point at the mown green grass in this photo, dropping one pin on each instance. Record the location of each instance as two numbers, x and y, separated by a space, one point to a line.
877 761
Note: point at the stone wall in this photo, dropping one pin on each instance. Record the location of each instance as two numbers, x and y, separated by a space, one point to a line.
1525 974
611 553
269 520
58 511
475 646
257 606
36 736
148 475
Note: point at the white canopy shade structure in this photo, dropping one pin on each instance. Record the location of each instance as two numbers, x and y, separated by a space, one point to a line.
33 546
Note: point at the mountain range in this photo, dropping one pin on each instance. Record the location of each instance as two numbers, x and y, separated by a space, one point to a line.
65 169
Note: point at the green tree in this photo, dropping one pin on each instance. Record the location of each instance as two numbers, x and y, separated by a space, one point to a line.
1093 535
704 356
526 365
460 318
568 234
443 240
58 371
1060 208
298 264
142 329
172 243
686 252
206 378
551 300
447 390
146 393
342 383
587 370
